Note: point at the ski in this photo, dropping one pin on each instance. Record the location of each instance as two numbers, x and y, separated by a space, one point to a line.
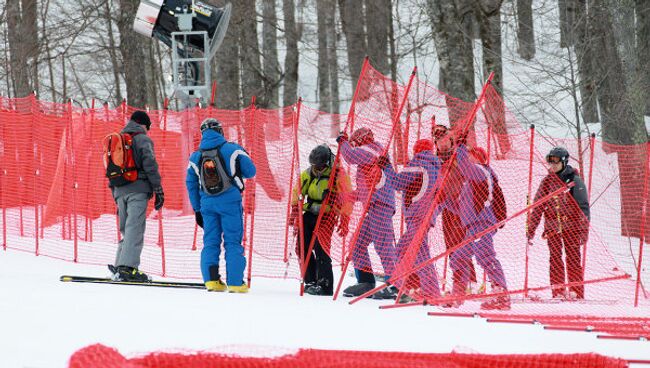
106 280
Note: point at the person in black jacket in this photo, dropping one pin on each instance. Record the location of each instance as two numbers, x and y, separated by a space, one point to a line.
566 223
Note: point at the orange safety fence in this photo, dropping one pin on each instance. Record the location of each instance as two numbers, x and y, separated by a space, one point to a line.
55 200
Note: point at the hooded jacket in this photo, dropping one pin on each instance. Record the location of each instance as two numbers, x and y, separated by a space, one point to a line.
368 173
238 166
145 161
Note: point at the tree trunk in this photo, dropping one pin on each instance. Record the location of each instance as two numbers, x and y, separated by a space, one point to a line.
377 18
132 47
525 29
270 53
324 89
228 69
112 52
353 28
489 17
19 53
333 65
454 48
585 55
567 22
643 50
620 125
290 92
250 56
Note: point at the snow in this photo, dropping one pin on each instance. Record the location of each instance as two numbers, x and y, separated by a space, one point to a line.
43 321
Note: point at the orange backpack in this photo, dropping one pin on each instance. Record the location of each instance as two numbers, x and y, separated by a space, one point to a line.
118 159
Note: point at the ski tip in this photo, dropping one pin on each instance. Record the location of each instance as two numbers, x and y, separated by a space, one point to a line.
65 278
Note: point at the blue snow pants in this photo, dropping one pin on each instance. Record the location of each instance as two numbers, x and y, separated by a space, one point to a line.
223 221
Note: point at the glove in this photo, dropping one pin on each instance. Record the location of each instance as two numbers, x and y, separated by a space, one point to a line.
343 137
160 198
199 218
383 162
343 228
293 216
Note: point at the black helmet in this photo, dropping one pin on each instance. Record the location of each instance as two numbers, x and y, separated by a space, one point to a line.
141 118
212 123
321 156
559 152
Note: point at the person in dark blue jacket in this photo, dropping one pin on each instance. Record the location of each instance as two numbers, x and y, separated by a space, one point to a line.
218 208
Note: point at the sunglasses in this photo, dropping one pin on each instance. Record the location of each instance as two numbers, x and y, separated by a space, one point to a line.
553 160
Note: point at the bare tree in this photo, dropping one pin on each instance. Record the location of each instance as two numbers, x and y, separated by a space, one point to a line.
377 18
620 124
250 55
488 13
585 56
112 52
567 22
333 66
643 50
290 92
453 46
270 53
228 71
324 90
525 29
352 21
23 41
132 48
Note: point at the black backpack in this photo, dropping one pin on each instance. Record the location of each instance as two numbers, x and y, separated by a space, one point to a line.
213 177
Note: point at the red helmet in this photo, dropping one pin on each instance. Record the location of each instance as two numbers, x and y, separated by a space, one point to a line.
361 136
422 145
480 155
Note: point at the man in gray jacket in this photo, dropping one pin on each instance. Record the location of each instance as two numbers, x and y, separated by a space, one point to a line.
132 201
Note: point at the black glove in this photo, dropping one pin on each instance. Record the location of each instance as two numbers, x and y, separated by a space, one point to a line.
462 138
160 198
199 218
343 137
383 162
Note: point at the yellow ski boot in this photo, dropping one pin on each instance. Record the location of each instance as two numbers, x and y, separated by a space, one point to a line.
243 288
216 286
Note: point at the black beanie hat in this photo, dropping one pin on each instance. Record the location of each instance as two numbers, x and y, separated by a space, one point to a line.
141 118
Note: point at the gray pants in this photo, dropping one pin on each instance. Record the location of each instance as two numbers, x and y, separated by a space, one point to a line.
133 220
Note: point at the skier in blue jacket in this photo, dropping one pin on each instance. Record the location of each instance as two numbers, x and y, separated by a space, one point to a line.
377 224
417 181
217 202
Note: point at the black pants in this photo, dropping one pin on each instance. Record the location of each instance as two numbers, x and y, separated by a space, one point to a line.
571 245
319 268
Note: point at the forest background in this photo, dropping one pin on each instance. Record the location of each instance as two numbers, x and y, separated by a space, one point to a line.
571 67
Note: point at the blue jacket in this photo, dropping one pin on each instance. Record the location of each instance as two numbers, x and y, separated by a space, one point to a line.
424 167
237 161
474 174
366 158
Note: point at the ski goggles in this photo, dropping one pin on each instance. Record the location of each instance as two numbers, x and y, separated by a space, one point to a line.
319 167
553 159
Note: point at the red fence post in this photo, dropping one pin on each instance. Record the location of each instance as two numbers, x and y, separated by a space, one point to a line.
32 100
295 117
528 201
592 146
642 228
74 181
2 193
254 188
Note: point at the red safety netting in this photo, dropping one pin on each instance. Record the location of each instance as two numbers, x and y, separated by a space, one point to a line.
100 356
55 200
